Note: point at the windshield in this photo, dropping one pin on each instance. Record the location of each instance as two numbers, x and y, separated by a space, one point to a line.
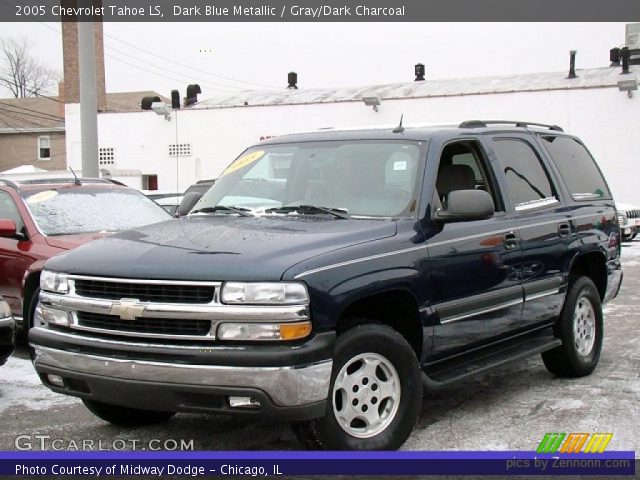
88 209
361 178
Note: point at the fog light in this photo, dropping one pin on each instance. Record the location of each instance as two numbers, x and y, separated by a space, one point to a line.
55 380
243 402
51 316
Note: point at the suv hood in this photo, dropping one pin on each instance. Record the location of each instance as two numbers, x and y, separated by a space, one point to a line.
221 247
67 242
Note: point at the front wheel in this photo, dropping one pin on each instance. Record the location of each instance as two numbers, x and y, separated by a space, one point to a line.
125 416
375 394
580 327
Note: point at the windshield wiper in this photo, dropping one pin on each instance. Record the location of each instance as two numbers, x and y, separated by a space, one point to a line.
243 212
310 209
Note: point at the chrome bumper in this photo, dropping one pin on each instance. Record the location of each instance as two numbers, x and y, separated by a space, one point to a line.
7 322
286 386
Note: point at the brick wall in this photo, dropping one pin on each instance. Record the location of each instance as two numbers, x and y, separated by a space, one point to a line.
22 149
71 87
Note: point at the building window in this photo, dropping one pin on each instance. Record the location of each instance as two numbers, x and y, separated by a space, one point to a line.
179 149
44 148
106 156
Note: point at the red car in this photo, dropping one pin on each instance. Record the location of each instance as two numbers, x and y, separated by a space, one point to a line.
42 217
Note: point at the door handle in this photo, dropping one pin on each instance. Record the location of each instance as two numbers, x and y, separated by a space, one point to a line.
511 240
564 229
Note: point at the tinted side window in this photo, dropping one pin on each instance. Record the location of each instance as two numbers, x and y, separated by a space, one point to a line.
527 181
577 167
8 210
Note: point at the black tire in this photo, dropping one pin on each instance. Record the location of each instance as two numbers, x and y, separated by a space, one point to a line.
378 342
22 333
125 416
567 360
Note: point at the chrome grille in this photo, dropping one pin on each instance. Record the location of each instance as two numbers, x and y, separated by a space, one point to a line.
161 326
145 292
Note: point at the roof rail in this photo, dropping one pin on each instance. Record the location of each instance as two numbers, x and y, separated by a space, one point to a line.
8 183
45 181
484 123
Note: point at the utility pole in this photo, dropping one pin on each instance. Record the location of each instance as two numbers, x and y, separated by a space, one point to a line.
88 96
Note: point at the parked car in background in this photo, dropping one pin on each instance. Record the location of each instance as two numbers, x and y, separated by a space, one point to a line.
629 219
41 217
169 201
192 195
7 331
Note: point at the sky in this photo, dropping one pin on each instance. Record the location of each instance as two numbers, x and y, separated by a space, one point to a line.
228 57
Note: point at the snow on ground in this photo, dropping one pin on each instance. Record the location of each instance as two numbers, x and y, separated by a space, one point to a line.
21 386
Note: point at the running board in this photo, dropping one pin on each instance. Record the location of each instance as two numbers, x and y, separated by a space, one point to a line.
442 374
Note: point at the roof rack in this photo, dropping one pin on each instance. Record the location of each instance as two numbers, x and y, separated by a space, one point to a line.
484 123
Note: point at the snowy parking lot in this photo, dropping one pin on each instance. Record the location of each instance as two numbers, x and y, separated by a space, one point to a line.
510 408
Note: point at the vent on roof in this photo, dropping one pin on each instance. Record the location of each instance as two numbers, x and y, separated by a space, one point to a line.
419 71
572 64
292 78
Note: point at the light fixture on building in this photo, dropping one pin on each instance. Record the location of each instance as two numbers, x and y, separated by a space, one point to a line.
371 102
162 108
628 85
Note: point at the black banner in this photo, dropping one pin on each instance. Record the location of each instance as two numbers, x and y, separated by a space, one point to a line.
318 11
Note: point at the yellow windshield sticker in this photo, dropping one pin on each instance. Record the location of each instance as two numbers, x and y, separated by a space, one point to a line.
41 196
243 161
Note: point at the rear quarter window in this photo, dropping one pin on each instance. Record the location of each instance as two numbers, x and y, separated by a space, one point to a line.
577 168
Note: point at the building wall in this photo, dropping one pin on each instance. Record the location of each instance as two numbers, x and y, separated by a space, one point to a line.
18 149
606 119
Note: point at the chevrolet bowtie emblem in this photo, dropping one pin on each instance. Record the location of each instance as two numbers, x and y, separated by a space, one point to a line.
127 309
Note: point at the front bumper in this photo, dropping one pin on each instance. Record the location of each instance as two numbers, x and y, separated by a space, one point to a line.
188 379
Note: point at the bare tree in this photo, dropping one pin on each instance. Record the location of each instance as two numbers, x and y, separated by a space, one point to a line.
20 72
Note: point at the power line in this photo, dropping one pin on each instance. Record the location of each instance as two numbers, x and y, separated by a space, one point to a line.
40 114
218 86
188 66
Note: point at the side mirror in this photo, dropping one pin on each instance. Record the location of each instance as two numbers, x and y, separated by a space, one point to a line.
8 228
187 203
466 205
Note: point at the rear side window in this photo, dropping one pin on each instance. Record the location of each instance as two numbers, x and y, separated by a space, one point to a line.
527 181
577 167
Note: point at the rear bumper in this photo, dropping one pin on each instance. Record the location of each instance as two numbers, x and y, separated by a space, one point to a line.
191 381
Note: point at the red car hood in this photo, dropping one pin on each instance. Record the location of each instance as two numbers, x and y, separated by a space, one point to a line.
67 242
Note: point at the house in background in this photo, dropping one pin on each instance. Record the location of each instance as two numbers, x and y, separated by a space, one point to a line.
32 129
32 133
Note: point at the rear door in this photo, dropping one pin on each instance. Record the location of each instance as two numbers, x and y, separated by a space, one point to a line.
543 224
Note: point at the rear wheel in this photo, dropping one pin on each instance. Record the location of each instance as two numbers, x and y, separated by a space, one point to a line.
580 327
125 416
375 393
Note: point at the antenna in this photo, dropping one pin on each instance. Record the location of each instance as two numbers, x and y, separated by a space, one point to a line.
399 128
77 182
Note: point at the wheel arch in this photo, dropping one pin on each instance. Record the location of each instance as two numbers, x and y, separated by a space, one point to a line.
592 264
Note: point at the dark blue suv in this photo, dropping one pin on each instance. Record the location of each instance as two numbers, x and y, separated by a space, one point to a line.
329 278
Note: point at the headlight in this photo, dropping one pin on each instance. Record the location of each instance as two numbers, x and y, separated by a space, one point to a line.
281 293
5 311
263 331
50 316
53 282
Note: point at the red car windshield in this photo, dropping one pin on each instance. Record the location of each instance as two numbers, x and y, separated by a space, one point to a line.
68 211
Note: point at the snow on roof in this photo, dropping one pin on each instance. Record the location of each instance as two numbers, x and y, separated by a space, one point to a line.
587 78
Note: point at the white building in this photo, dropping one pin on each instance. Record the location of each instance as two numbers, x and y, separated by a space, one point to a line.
199 141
